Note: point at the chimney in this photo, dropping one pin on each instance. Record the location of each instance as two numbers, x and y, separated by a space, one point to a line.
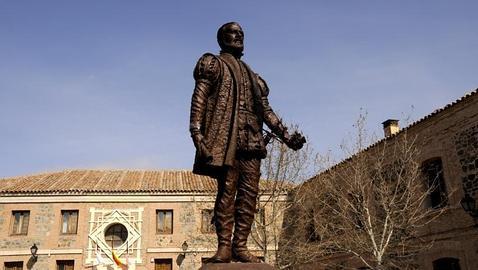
390 127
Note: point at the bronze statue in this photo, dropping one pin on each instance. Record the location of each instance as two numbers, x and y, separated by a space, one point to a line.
228 108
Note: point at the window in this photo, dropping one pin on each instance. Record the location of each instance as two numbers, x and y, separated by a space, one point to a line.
13 265
69 221
312 235
259 220
446 264
433 172
116 235
65 265
206 221
311 230
163 264
164 221
20 222
261 216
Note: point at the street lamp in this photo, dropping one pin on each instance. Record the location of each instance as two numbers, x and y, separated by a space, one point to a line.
184 247
34 250
469 205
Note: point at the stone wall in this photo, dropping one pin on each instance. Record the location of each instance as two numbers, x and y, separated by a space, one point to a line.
43 219
450 135
3 218
466 143
45 231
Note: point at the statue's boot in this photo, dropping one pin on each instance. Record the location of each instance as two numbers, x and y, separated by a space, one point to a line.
223 255
245 208
224 215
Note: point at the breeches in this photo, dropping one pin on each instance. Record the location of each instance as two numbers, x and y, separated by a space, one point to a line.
235 203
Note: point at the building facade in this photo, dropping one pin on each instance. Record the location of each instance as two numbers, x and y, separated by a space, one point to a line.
447 142
79 218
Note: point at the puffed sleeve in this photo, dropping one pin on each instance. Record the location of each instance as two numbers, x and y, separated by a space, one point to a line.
206 73
207 68
263 86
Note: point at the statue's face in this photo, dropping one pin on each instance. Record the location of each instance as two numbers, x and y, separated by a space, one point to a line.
232 38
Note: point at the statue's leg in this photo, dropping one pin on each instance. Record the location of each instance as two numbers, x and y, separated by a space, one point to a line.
224 214
245 208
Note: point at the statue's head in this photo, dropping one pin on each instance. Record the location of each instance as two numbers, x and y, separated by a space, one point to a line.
231 38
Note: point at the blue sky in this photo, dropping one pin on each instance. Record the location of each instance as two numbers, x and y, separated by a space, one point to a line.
107 84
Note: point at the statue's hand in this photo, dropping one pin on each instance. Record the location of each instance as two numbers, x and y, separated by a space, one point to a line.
295 141
197 139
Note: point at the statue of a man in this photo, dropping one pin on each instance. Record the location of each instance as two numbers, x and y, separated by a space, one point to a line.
228 108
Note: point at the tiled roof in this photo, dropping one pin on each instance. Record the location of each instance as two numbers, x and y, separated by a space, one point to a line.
436 113
113 181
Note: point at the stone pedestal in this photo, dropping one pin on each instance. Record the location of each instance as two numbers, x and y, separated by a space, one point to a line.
236 266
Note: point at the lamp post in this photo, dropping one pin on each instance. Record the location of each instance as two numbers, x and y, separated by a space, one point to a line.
33 251
469 205
184 247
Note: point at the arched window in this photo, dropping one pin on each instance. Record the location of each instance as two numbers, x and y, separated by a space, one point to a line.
446 264
311 230
433 171
116 235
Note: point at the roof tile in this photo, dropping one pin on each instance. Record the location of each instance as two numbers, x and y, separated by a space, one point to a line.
112 181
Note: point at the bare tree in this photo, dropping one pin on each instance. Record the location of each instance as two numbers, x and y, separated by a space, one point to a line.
281 170
368 210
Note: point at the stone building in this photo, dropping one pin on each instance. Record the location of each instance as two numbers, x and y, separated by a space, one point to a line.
447 140
152 219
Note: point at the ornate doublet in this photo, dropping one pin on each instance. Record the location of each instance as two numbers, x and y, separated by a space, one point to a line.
228 107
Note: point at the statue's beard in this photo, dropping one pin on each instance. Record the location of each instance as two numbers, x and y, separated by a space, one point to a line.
234 50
